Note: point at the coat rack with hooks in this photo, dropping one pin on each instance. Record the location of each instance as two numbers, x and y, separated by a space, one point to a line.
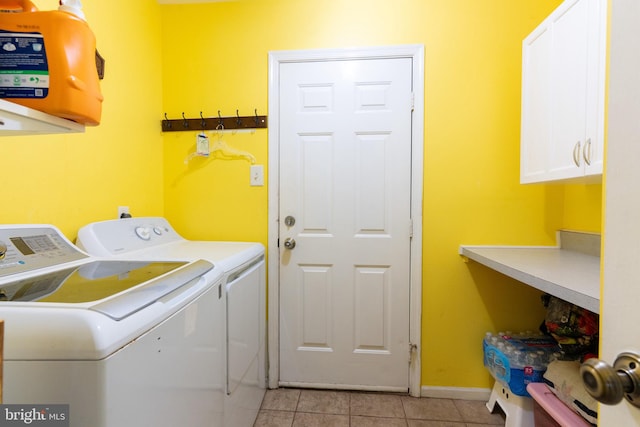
213 123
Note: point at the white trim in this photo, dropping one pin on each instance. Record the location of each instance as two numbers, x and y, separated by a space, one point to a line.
358 387
416 53
462 393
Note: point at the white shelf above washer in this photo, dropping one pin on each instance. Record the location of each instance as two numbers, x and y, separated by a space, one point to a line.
16 119
564 271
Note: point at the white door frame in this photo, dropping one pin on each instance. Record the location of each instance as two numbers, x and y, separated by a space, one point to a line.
415 52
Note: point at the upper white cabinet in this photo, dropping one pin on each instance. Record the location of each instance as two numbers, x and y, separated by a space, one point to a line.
19 120
563 90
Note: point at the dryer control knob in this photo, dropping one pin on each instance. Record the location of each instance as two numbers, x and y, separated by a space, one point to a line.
143 232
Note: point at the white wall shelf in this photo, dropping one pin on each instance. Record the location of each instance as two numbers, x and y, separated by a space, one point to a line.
562 271
19 120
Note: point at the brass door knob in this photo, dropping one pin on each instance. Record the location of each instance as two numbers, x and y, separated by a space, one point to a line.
609 384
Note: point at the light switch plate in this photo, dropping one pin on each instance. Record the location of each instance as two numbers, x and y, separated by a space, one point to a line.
257 175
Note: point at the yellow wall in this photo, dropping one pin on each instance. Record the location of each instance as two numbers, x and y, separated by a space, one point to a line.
210 57
583 207
71 180
215 58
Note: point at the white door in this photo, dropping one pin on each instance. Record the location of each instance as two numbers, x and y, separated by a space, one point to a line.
621 291
345 185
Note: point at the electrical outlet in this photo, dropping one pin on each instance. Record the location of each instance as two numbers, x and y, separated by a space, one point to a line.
123 212
257 175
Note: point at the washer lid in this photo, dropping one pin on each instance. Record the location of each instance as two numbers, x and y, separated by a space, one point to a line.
127 303
119 288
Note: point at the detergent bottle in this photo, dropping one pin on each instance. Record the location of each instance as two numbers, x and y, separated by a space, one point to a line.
17 6
48 60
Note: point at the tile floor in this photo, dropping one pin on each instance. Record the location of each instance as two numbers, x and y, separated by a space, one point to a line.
287 407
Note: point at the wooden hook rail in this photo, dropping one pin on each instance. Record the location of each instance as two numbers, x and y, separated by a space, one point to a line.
214 123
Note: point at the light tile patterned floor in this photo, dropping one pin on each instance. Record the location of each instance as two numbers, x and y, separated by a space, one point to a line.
287 407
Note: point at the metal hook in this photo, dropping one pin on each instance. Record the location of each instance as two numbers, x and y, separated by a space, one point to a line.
185 123
256 117
203 122
238 120
167 123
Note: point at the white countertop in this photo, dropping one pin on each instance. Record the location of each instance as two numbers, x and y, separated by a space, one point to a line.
570 275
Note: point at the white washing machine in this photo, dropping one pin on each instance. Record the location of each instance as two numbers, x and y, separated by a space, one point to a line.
122 343
243 263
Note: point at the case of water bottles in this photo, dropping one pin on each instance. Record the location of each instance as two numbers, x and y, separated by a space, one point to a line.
516 360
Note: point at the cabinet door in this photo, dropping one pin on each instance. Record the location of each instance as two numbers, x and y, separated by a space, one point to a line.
593 152
563 94
536 115
569 54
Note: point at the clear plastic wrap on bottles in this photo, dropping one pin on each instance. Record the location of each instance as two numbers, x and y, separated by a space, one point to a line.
518 359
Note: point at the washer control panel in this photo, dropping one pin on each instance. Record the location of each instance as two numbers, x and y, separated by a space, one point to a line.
120 236
145 232
27 248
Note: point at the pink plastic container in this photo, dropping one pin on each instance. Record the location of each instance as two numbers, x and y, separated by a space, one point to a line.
549 411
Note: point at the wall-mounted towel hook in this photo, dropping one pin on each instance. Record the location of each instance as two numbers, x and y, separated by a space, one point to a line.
210 123
238 119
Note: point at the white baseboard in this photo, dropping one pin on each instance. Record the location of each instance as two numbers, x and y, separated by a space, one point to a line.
462 393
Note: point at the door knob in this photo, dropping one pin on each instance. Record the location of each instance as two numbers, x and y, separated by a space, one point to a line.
289 243
608 384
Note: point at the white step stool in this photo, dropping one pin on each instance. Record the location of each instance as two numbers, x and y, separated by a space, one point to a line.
518 409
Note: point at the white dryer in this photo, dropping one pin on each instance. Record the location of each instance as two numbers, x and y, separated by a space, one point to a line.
122 343
243 263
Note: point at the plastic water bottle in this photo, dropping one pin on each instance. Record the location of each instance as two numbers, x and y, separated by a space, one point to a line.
533 361
518 359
